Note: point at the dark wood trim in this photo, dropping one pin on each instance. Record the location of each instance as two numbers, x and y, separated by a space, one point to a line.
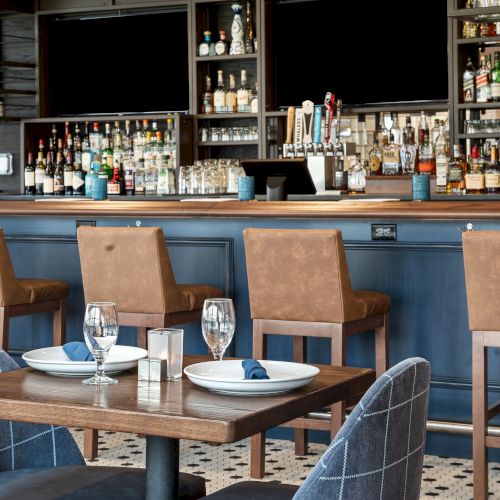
25 6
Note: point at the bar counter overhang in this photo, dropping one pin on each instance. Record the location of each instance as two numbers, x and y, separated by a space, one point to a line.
422 270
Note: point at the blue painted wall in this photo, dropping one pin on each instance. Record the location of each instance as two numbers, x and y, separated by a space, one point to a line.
422 272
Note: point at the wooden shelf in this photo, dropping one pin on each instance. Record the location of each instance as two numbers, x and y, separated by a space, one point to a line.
485 135
226 57
228 143
17 65
479 105
479 13
481 40
226 116
275 114
17 92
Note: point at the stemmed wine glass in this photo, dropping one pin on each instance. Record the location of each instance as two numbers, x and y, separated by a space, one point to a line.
100 328
217 324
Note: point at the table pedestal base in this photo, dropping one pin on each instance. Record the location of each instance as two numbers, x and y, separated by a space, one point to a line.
162 468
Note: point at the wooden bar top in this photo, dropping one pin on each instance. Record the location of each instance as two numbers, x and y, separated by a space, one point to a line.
344 209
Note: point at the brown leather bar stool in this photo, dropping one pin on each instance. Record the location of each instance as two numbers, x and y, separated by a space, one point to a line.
299 285
131 267
482 278
22 297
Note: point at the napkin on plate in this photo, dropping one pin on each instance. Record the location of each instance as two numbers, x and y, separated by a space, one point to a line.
254 370
78 351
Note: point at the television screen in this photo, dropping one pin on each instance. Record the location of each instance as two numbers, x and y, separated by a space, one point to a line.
110 63
364 52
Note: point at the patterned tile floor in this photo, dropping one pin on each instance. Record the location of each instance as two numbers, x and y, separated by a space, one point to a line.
222 465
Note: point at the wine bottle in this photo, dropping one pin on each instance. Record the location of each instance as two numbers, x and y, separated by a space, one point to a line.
29 176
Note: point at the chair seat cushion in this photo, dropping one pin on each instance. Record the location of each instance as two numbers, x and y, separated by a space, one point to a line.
41 290
366 304
191 297
255 490
80 482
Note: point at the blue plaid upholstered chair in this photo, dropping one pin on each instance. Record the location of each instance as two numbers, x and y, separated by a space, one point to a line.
378 452
44 462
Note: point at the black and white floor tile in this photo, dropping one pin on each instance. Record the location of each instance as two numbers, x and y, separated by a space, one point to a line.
221 465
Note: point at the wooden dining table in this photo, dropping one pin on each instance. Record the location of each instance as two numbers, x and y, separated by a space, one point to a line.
168 411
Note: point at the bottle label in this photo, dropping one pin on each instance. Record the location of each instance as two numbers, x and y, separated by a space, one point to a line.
39 176
375 164
68 178
495 90
441 171
483 89
58 183
113 188
456 174
78 182
219 99
29 179
220 48
492 180
204 49
469 88
129 180
231 100
474 181
242 97
48 185
254 105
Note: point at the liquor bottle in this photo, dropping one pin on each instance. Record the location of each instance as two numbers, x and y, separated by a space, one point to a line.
442 162
375 159
207 98
128 142
395 130
483 88
435 131
254 100
68 146
220 94
163 187
222 47
107 142
495 78
95 139
105 165
382 133
426 157
408 149
66 133
391 160
129 177
29 176
86 151
249 31
151 178
140 178
356 177
204 47
54 134
68 175
78 180
77 144
474 178
231 101
243 94
456 171
492 172
114 184
469 87
423 128
59 175
39 174
48 180
41 147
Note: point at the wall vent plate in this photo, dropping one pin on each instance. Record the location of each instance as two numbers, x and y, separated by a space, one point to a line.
6 164
384 232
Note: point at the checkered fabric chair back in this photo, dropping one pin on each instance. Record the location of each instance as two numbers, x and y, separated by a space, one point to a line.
378 452
25 445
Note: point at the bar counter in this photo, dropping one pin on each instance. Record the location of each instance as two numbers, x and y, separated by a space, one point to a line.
421 270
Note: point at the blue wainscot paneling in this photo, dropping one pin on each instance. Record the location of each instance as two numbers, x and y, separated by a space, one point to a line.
422 272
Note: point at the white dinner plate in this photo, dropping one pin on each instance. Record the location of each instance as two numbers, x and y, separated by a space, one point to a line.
227 377
55 361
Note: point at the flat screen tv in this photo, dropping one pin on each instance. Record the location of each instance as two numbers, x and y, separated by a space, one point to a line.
364 52
128 61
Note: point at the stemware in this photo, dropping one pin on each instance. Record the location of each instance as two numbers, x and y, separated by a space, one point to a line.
100 328
217 324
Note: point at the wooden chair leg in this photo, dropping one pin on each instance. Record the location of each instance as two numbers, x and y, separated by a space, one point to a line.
300 356
479 416
382 348
142 337
59 324
90 443
4 328
338 356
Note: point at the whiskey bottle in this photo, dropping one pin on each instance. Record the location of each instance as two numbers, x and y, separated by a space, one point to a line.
222 47
423 128
442 162
382 133
29 176
492 172
243 94
249 42
391 160
495 78
426 158
483 88
468 86
435 131
457 170
68 175
375 159
48 180
59 176
356 177
39 174
207 98
204 47
220 94
474 178
408 149
231 101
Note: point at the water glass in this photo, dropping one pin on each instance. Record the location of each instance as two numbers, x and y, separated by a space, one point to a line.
217 324
100 328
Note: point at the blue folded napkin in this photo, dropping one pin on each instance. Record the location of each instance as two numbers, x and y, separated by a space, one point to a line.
254 370
78 351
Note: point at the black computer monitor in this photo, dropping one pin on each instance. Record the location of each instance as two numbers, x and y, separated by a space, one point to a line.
278 178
